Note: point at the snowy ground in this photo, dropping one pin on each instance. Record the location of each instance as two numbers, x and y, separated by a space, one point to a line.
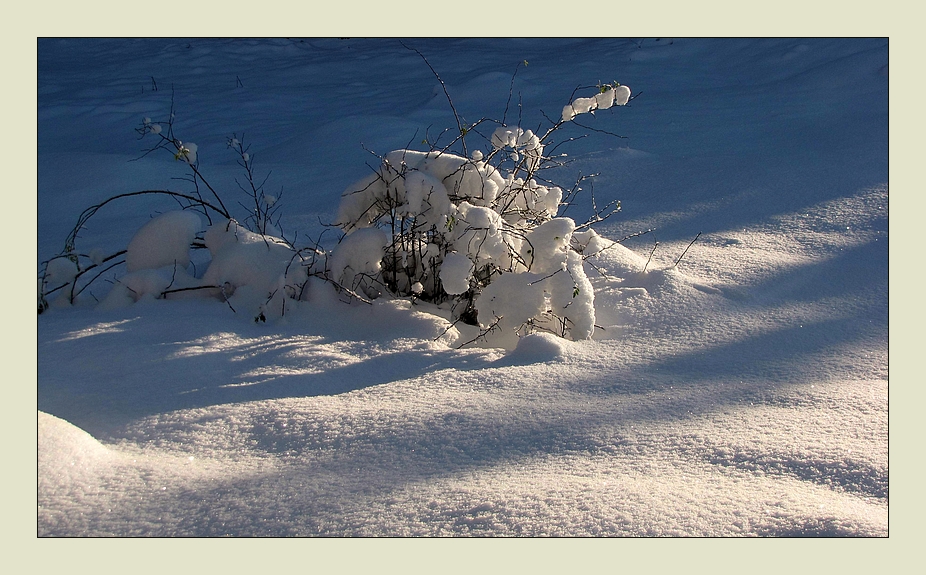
740 393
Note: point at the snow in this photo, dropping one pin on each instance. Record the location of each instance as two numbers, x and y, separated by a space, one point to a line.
66 451
60 271
361 252
163 241
455 272
607 96
739 389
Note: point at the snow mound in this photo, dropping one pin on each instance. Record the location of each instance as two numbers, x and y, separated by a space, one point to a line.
60 271
619 259
163 241
254 271
539 347
397 319
66 452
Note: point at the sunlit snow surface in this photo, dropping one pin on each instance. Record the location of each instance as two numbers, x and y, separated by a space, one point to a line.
741 392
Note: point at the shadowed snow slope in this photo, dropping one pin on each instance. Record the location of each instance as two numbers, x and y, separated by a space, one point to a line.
740 391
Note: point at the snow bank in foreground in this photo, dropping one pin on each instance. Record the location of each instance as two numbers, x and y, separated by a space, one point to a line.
67 453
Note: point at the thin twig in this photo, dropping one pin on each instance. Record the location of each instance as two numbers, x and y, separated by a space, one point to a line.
483 333
510 90
176 290
456 116
455 322
633 235
655 245
686 249
89 212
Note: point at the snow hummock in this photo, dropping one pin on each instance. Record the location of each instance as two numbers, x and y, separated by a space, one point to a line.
66 453
539 346
163 241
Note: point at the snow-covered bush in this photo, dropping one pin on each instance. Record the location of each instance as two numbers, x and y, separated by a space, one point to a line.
476 233
250 267
481 232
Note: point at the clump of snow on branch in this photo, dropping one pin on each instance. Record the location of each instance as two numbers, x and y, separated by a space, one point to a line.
149 125
60 271
358 258
254 272
455 273
186 152
522 143
610 95
165 240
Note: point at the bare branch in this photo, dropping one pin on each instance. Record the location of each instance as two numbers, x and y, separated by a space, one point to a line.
650 258
89 212
456 116
686 249
483 333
